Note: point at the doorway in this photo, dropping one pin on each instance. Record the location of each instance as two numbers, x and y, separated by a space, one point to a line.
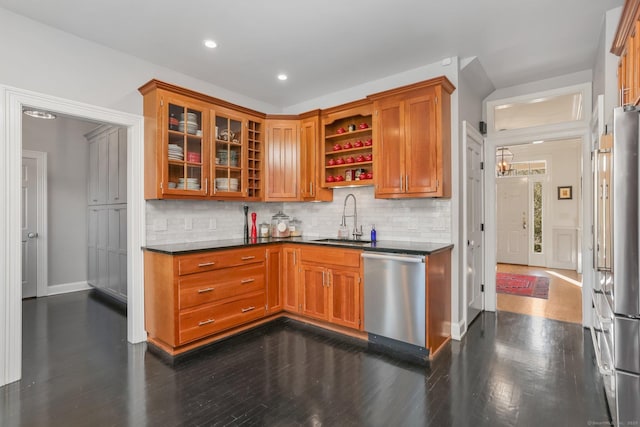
33 223
538 227
509 126
13 101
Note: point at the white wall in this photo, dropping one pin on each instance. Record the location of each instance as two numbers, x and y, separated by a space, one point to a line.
50 61
541 86
605 79
419 74
67 153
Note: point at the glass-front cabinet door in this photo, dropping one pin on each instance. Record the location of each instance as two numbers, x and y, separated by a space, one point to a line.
186 150
229 155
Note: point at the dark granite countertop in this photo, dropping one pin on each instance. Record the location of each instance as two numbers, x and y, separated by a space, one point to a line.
391 246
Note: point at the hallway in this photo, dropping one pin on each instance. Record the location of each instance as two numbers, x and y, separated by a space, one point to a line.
565 294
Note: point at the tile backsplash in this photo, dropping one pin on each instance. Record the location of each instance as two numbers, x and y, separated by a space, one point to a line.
174 221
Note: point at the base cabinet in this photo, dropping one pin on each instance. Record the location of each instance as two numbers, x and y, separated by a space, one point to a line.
289 278
107 249
313 292
193 297
273 275
330 286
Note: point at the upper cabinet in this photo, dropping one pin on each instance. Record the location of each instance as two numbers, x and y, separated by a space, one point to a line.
200 147
626 45
282 159
291 158
412 134
310 166
107 182
347 145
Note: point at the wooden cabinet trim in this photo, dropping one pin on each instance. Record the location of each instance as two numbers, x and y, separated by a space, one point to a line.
442 81
626 26
158 84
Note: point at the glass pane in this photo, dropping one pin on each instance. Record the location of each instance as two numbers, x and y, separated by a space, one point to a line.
184 151
537 217
538 112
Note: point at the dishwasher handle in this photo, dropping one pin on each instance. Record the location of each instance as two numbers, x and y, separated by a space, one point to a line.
394 257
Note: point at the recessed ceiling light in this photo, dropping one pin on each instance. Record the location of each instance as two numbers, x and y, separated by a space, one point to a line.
538 142
282 77
210 44
39 114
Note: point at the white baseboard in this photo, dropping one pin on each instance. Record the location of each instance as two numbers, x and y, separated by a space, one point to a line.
65 288
458 330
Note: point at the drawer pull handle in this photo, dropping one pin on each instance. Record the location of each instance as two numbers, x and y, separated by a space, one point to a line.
206 322
247 258
244 310
206 264
202 291
244 281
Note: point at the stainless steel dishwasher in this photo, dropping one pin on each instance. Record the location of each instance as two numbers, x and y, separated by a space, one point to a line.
394 296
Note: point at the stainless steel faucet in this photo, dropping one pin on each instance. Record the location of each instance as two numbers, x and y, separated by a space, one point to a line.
356 233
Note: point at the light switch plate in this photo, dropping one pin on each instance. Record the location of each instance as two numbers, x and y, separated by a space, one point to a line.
212 224
188 223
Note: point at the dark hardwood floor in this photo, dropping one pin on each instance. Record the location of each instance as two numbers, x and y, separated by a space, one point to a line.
510 370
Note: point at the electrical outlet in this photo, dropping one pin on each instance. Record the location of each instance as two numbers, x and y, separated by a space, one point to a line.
160 224
212 224
188 223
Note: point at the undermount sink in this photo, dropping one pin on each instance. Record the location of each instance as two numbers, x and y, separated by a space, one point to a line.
345 242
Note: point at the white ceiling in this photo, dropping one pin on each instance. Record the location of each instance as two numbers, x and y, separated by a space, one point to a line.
326 46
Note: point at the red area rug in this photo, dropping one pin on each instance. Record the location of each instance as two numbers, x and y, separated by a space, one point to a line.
522 285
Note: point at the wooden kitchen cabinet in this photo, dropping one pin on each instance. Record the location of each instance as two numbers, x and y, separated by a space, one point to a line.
347 145
282 159
626 45
344 293
200 147
330 285
273 275
412 134
176 147
191 298
313 291
289 278
310 165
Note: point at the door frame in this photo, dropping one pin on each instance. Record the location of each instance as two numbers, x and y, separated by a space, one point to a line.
575 129
41 221
12 102
467 128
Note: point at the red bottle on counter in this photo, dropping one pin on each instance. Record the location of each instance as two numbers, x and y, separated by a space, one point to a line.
254 230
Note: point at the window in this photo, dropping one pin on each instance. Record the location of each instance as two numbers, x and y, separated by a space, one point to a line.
535 167
538 112
537 217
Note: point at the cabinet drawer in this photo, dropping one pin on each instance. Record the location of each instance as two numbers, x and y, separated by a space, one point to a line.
188 264
211 319
332 256
217 285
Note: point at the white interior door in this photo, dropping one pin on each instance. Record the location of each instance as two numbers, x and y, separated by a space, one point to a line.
512 196
29 228
475 197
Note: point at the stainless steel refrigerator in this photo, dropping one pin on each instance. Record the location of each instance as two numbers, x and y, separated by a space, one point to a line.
616 294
